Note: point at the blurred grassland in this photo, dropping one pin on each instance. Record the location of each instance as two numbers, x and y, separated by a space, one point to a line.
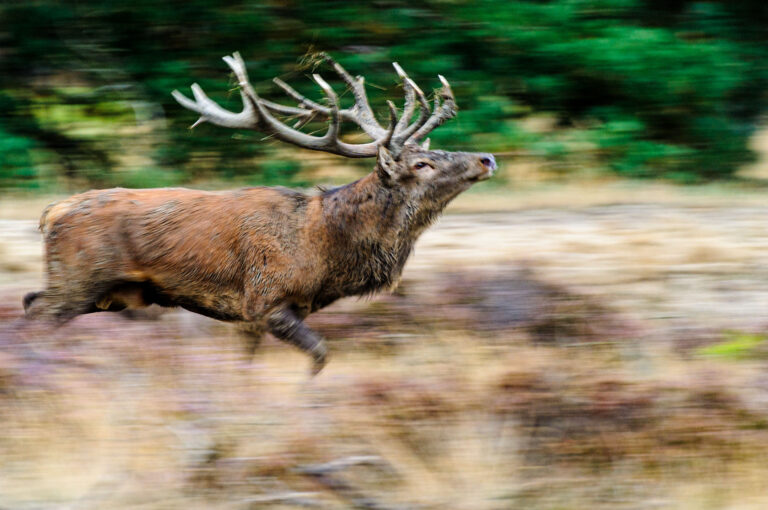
608 356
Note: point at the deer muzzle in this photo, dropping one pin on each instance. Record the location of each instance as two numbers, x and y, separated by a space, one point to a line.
487 165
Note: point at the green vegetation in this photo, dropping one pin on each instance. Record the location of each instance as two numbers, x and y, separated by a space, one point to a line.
651 89
739 345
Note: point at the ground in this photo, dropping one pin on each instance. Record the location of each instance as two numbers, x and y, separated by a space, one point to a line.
559 349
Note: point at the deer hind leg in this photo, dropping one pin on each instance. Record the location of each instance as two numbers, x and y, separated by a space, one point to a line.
252 334
287 325
66 296
58 305
29 298
61 304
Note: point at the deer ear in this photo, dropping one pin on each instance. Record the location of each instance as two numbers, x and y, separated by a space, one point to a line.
425 144
386 165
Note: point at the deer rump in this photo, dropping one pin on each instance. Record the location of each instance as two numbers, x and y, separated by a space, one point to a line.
108 250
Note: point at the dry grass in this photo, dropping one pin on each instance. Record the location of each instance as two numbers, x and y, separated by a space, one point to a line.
543 358
168 417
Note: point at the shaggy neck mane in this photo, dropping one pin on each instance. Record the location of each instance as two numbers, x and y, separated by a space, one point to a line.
372 228
367 206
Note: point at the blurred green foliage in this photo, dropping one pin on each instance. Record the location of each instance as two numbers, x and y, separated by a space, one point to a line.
655 88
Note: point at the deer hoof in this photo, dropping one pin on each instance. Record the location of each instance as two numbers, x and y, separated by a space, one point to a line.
318 360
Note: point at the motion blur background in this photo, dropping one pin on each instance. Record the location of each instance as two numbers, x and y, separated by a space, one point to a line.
586 330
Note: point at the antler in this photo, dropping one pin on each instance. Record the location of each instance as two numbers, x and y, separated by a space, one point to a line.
257 113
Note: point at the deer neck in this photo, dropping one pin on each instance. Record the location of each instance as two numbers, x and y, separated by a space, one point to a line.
370 229
367 210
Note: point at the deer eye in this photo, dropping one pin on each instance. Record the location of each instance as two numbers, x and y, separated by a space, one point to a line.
420 165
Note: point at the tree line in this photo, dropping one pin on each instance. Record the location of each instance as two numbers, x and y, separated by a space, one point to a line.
669 89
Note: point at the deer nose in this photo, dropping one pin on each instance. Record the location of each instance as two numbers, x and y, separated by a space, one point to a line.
488 161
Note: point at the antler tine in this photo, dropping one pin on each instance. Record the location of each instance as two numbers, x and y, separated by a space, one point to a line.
362 109
211 112
236 63
290 111
386 142
303 101
445 111
329 142
404 136
409 106
313 109
333 128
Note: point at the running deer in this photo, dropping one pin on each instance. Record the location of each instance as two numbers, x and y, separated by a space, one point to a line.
266 257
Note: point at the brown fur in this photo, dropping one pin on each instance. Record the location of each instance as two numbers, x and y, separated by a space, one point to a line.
265 256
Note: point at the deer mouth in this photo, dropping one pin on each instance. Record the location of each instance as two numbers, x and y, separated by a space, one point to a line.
484 176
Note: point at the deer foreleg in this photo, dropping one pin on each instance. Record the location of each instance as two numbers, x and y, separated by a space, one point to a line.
287 326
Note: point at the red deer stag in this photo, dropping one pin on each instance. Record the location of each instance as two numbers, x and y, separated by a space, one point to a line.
267 257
